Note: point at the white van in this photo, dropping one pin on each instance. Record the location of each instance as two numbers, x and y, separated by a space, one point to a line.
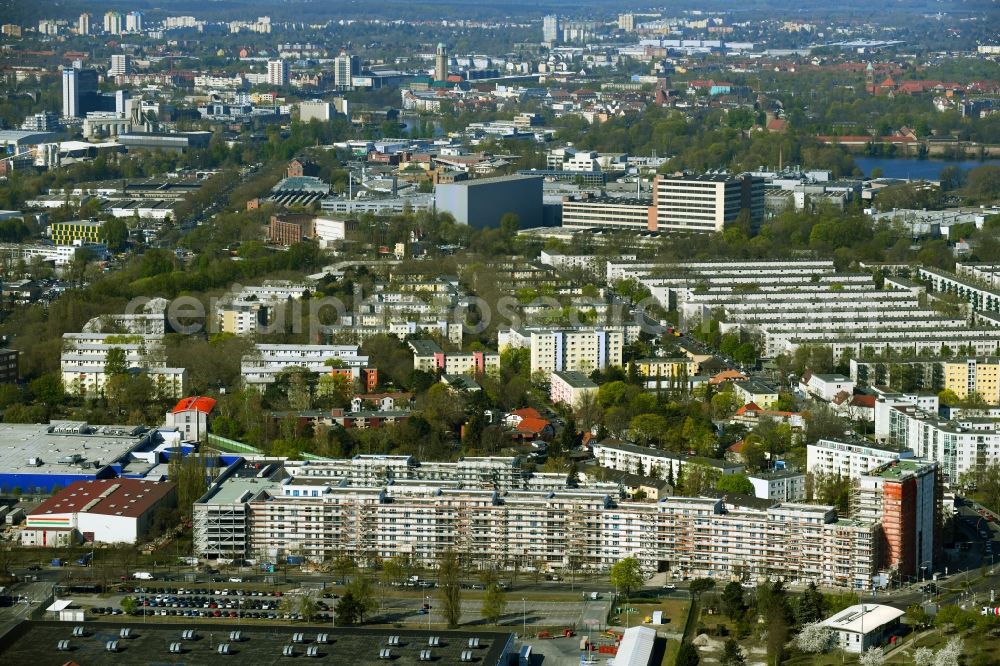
142 575
594 596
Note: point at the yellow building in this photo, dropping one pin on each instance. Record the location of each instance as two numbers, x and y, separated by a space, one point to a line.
667 367
974 375
64 233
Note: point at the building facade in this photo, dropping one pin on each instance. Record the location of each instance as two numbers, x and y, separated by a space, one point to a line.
706 203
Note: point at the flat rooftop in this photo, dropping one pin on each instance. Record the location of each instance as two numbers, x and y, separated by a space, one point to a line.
121 497
35 643
60 440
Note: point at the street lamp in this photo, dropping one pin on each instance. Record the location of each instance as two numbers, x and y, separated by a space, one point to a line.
524 618
427 601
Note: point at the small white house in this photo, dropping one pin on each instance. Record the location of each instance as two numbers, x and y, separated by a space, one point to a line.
826 387
863 626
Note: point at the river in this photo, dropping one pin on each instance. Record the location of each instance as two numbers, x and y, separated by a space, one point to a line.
902 167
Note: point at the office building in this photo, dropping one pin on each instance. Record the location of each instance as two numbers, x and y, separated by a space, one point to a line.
626 22
98 511
441 63
80 94
550 29
345 67
71 92
608 213
483 202
113 23
316 110
66 233
277 73
83 24
43 121
121 65
706 203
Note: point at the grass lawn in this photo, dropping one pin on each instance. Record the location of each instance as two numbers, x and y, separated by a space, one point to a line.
674 614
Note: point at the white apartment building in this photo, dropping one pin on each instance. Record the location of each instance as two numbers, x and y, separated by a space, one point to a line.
958 446
580 349
277 72
429 357
779 485
586 528
849 460
250 309
570 387
84 356
826 387
263 365
121 64
359 332
979 297
646 461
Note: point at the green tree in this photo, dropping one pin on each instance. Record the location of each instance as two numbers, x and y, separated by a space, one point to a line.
810 605
363 592
701 585
191 476
494 600
349 610
737 484
732 600
115 234
626 575
115 362
48 389
687 655
449 572
732 655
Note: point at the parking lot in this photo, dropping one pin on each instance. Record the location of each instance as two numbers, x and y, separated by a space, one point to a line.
414 608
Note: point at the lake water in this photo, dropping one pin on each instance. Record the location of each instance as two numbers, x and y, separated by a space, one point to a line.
901 167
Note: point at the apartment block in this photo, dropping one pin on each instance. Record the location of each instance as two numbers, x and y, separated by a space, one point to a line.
84 357
267 361
958 446
647 461
980 376
667 368
252 308
979 297
782 485
315 510
849 460
570 387
580 349
904 497
429 357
